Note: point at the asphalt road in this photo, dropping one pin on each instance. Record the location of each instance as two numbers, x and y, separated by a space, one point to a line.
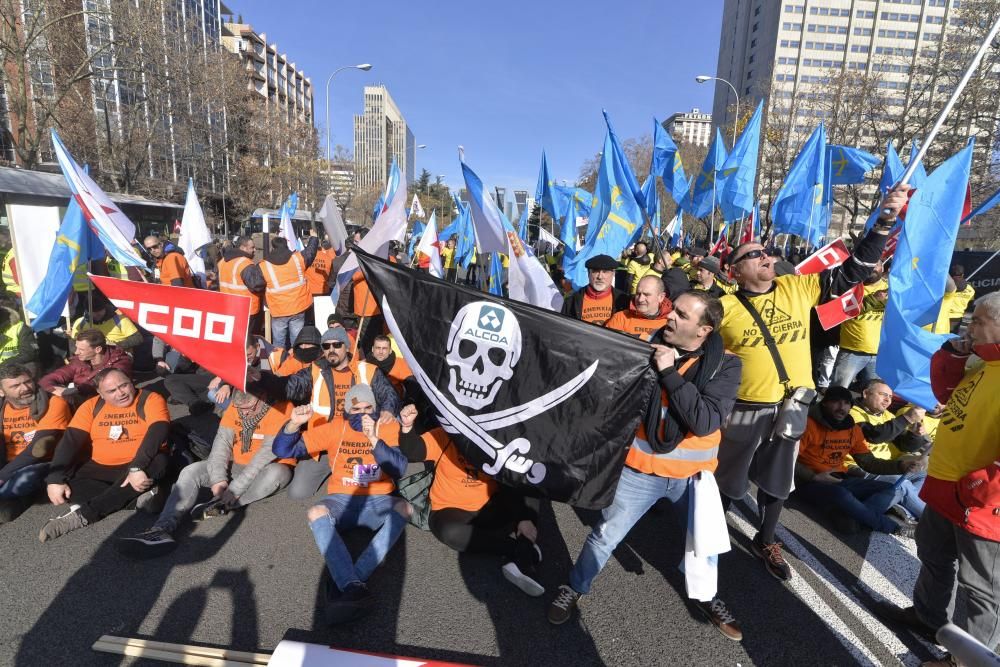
248 580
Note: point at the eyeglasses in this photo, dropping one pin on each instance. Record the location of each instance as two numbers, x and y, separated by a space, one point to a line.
750 254
154 247
336 345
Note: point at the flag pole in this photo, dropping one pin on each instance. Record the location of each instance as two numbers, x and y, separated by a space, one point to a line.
983 265
973 66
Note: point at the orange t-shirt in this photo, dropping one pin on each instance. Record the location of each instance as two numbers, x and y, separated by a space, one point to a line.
19 428
116 433
457 483
270 425
597 311
319 271
823 450
353 468
173 265
638 327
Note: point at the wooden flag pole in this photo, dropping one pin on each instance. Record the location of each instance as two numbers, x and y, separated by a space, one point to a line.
185 654
973 66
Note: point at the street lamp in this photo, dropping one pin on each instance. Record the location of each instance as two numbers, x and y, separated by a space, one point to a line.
364 67
702 78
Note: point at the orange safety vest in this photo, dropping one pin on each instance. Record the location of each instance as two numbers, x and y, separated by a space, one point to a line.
693 453
287 289
230 281
283 368
365 304
361 372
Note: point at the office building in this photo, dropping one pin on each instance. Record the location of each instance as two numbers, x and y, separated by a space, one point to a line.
692 127
381 134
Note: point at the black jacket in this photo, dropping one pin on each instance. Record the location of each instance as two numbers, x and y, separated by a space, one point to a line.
253 277
573 306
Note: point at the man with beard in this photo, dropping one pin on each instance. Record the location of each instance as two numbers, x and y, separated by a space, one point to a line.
596 302
783 304
365 461
676 442
171 266
650 307
323 385
32 423
235 278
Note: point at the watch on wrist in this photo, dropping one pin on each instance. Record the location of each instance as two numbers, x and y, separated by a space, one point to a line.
134 469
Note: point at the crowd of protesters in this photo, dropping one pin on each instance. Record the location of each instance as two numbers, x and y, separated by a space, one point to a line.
751 391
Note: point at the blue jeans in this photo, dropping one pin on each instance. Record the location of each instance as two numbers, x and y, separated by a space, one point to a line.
284 330
24 482
910 488
851 365
348 511
636 493
864 500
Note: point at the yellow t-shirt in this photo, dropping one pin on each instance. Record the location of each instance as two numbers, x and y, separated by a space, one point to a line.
968 437
115 329
862 334
961 301
448 257
881 450
785 309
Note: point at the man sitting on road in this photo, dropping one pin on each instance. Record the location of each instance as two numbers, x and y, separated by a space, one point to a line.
824 478
32 424
111 454
240 470
470 512
93 354
364 462
650 307
304 352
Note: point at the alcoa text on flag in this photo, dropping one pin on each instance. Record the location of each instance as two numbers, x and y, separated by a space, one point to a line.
210 328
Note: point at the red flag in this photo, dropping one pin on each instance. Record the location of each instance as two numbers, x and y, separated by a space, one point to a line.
747 235
177 226
832 254
841 308
210 328
721 246
890 244
967 206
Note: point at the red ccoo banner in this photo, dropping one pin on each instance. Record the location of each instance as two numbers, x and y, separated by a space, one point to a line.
209 328
832 254
841 308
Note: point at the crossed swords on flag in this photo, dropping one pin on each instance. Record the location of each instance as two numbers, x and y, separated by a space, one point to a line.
477 427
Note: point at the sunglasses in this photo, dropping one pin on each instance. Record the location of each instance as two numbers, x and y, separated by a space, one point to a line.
153 247
752 254
335 345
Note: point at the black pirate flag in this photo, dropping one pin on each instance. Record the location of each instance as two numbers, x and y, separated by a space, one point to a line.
542 402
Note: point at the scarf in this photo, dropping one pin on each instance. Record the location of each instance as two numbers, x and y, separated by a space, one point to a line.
386 365
704 369
249 419
594 294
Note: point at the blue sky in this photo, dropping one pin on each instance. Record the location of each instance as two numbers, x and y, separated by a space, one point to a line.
505 80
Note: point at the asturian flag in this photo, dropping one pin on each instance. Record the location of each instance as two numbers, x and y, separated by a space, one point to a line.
112 226
430 246
529 397
194 233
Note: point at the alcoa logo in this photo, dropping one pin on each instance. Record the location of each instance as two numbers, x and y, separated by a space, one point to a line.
158 318
491 318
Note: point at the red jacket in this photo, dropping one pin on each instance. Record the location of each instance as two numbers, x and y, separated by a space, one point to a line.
973 502
81 373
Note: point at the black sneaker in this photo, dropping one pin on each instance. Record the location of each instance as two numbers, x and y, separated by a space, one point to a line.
718 613
60 525
150 543
206 510
12 508
352 603
773 559
561 609
151 501
907 530
522 570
